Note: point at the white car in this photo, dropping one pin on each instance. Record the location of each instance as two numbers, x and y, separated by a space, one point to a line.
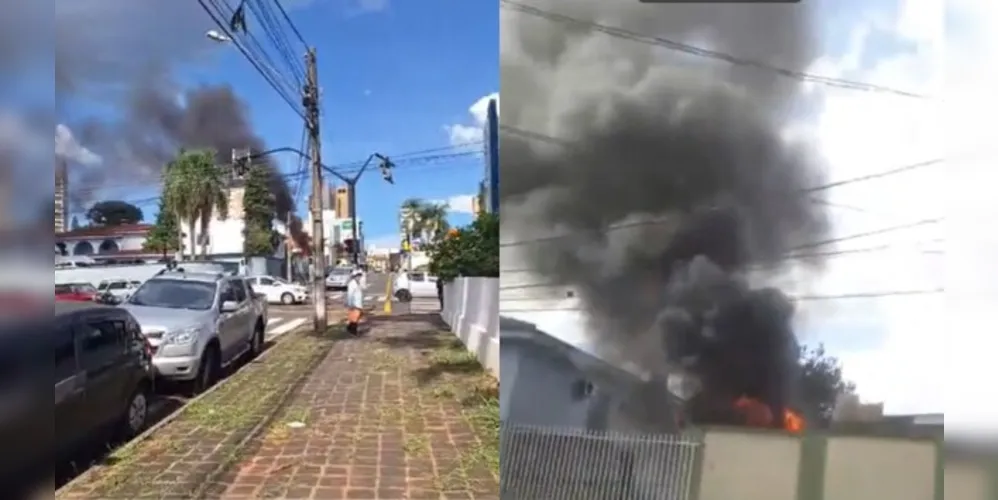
338 277
415 285
119 288
278 291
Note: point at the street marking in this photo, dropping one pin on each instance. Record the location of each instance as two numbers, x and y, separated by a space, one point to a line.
270 321
287 327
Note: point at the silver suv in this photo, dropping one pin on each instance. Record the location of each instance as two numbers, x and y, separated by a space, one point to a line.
198 324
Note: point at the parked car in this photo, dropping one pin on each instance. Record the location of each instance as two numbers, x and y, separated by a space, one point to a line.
103 381
118 288
198 324
418 284
278 291
75 292
338 277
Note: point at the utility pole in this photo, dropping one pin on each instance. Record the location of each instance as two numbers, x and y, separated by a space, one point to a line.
287 247
352 194
310 101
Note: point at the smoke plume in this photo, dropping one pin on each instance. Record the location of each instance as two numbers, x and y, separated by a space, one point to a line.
670 174
116 89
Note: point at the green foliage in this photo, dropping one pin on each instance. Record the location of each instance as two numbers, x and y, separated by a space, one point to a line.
258 214
114 213
469 251
195 190
164 236
822 383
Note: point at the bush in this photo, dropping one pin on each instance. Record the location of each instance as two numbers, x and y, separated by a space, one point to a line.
472 251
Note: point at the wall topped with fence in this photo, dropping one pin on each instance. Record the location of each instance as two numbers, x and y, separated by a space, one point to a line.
729 464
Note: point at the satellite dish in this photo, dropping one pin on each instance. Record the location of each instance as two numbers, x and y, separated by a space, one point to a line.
216 36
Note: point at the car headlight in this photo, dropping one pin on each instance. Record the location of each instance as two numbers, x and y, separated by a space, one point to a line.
182 337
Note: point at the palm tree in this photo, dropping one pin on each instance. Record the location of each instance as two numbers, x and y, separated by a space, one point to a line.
433 219
411 208
194 188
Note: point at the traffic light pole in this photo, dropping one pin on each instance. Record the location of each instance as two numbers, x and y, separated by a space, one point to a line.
310 101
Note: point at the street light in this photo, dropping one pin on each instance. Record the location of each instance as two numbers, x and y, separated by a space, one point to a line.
217 37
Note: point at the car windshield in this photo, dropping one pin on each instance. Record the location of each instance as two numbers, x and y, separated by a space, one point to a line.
342 271
102 286
63 289
279 281
83 288
175 294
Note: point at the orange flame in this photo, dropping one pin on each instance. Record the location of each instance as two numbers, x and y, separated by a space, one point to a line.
759 414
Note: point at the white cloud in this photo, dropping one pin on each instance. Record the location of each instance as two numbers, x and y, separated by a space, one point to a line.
867 132
463 133
67 147
389 241
461 204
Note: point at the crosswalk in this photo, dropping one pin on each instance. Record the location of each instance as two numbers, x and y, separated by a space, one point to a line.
279 325
418 304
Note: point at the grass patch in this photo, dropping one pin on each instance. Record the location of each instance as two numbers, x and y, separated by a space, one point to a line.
452 373
178 458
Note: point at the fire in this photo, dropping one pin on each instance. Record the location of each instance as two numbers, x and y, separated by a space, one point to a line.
759 414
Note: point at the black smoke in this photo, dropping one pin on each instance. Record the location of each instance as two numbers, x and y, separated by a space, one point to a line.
116 80
673 178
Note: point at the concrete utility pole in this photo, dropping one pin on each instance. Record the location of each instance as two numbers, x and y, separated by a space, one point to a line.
310 101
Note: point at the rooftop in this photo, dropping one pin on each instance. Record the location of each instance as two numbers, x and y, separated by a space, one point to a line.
105 231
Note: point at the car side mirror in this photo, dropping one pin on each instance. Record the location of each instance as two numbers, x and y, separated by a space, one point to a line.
229 306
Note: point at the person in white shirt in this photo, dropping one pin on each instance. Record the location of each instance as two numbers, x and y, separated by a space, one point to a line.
355 302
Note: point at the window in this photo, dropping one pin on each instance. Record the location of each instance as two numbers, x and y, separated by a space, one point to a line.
266 281
249 288
417 277
63 289
239 288
118 285
65 353
582 389
102 336
102 286
227 292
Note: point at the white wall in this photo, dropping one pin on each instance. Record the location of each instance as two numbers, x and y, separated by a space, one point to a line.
471 309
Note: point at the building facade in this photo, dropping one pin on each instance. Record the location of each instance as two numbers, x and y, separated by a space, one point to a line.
61 197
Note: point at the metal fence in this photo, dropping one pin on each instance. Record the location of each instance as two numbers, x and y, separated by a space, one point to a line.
579 464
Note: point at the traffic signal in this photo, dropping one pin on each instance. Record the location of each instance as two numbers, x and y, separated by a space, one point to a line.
386 169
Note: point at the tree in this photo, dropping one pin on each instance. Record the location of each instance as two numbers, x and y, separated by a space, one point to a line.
113 213
469 251
822 383
195 190
433 222
412 208
258 214
164 237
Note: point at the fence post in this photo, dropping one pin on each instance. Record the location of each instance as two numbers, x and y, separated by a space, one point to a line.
811 470
696 470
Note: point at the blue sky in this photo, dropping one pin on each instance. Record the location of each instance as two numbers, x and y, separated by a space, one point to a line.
394 76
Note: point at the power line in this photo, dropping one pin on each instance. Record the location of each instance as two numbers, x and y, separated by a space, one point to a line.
252 60
799 298
786 258
287 18
699 51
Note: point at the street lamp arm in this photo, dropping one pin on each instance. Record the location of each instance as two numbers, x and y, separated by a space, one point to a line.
304 155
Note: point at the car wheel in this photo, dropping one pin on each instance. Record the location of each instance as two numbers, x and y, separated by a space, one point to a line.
208 370
136 415
256 343
403 295
287 299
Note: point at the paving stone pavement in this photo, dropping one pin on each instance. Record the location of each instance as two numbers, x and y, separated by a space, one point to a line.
370 422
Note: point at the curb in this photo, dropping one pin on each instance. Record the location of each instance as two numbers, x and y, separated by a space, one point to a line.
137 440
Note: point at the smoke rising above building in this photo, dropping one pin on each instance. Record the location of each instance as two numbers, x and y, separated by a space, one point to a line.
115 74
669 174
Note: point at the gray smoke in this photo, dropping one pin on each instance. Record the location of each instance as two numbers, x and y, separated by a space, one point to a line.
671 174
114 72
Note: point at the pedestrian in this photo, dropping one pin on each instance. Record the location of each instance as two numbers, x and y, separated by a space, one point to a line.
355 302
440 293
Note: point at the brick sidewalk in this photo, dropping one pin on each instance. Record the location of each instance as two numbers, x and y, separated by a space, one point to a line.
402 413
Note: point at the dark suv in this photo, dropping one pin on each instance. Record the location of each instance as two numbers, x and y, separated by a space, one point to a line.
103 373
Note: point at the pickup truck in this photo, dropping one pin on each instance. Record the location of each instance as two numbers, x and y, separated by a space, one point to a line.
198 324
